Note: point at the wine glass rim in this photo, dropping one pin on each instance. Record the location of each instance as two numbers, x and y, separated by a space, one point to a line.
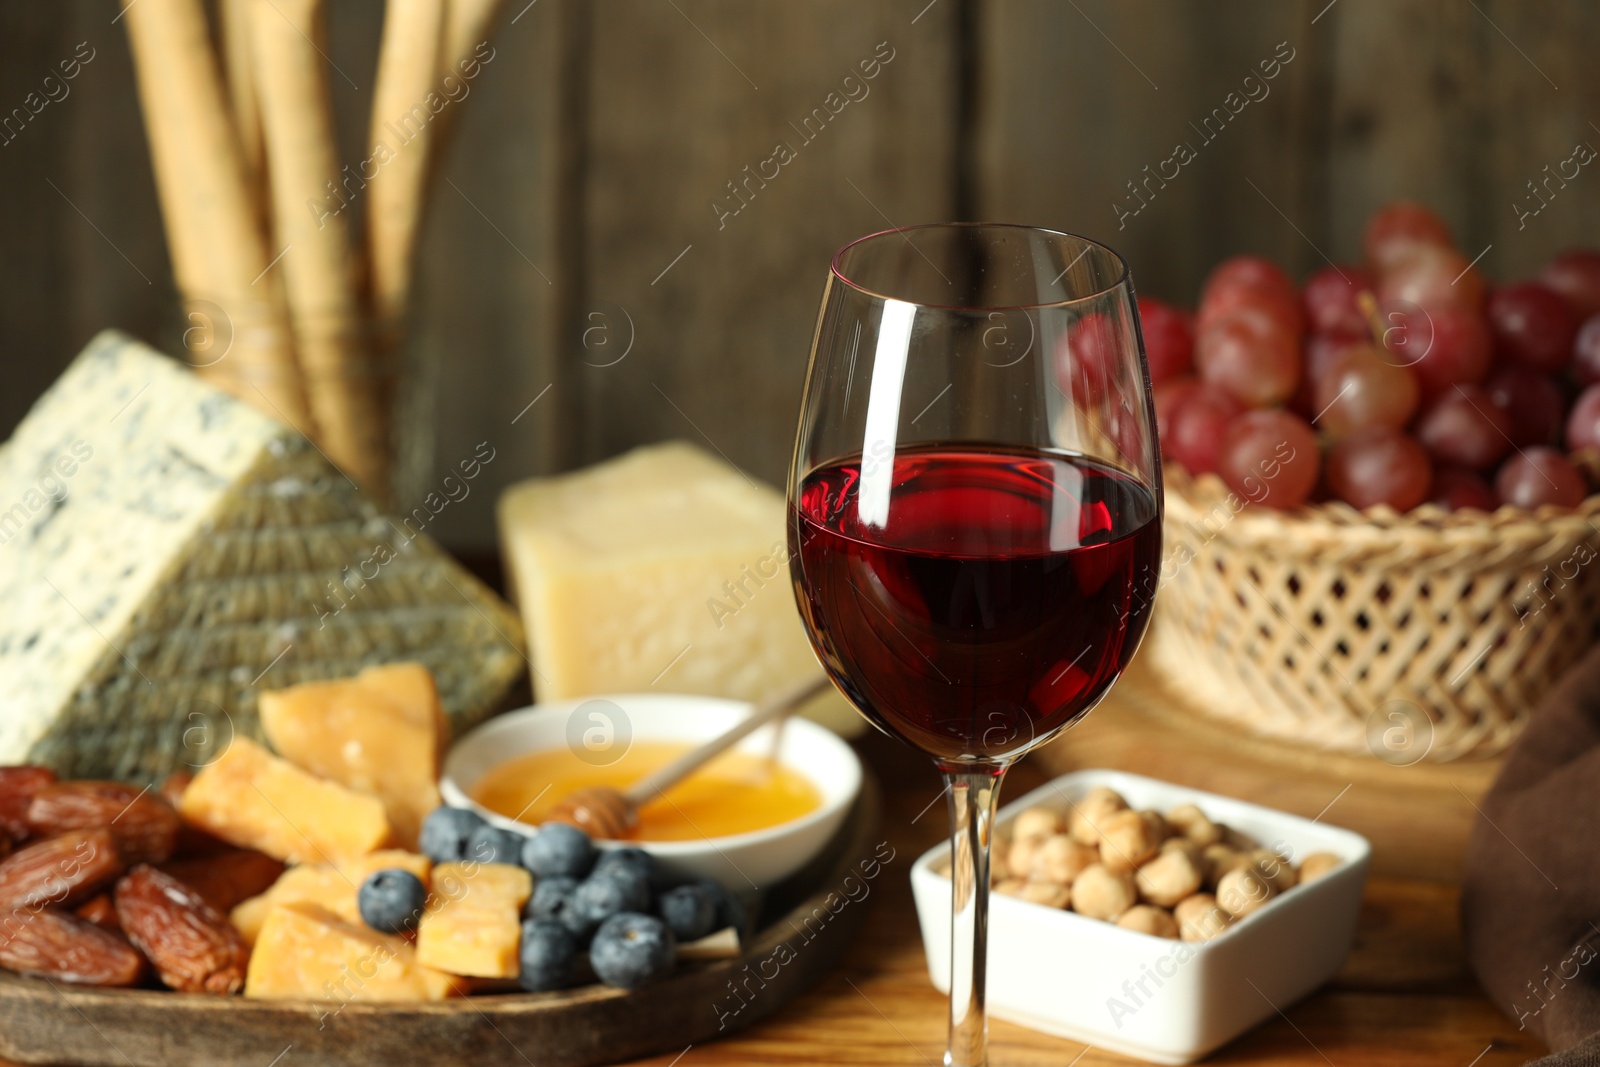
1121 280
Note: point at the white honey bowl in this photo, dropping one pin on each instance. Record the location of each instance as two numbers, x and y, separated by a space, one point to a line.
757 859
1060 972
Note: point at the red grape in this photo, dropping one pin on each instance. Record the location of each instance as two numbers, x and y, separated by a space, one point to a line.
1531 401
1362 390
1269 457
1168 339
1431 276
1250 272
1463 426
1250 356
1198 425
1087 357
1224 302
1533 324
1329 299
1381 466
1169 395
1583 421
1397 227
1586 351
1575 274
1456 487
1445 345
1324 349
1540 476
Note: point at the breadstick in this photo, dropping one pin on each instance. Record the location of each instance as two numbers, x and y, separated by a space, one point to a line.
318 268
218 251
402 124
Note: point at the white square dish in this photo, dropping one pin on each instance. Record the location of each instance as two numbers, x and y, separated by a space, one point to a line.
1157 999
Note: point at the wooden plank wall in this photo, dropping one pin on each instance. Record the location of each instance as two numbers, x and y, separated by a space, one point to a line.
586 209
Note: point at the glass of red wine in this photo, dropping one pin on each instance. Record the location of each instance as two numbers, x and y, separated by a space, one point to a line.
975 512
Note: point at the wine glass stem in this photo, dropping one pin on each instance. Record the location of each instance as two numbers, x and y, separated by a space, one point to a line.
972 802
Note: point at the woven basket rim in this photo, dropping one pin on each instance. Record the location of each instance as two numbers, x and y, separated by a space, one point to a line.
1189 497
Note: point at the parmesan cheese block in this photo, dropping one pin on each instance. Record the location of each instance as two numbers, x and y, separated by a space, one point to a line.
333 886
381 732
472 925
166 552
665 569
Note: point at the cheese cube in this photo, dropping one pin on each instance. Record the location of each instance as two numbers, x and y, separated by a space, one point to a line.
473 922
308 953
164 546
663 569
381 732
330 886
253 799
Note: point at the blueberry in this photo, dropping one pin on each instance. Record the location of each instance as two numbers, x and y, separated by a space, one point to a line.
688 911
550 897
391 900
558 850
636 860
730 909
549 953
445 832
602 895
630 949
490 844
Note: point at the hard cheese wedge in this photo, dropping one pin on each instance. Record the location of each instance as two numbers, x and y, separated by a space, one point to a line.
663 569
381 732
166 553
253 799
327 885
473 922
308 953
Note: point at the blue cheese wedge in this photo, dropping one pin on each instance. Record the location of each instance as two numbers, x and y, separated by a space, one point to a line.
167 552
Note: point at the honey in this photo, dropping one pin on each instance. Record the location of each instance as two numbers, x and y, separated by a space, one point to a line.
736 793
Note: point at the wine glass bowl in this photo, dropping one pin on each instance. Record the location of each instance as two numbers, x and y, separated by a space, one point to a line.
975 509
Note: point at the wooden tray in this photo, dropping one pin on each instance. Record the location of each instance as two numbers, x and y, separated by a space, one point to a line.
45 1022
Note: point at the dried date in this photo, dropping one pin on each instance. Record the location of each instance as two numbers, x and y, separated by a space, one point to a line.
62 871
100 911
53 944
144 825
18 784
193 947
228 878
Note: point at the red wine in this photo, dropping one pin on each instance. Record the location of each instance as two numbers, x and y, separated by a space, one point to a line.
994 605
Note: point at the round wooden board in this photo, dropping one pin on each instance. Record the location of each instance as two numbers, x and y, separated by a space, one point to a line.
45 1022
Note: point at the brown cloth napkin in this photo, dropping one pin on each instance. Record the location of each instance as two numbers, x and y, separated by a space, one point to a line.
1531 890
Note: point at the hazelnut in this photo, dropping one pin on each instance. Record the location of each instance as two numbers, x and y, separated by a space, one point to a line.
1037 822
1243 890
1199 918
1049 894
1102 893
1273 867
1192 823
1128 838
1019 857
1220 859
1157 922
1316 865
1091 811
1061 859
1168 878
1182 844
1237 838
1010 887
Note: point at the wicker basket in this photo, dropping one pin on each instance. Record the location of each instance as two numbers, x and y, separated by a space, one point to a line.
1425 635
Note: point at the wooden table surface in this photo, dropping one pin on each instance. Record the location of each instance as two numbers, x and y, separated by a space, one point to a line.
1404 997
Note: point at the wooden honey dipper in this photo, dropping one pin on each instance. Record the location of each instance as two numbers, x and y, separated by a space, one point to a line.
603 812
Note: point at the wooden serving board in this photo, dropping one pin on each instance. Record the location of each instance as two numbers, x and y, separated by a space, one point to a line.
801 939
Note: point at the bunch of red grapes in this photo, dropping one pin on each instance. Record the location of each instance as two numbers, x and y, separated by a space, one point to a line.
1401 382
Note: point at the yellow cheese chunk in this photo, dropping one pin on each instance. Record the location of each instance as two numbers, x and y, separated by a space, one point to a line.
665 569
329 886
382 732
473 922
250 798
307 952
